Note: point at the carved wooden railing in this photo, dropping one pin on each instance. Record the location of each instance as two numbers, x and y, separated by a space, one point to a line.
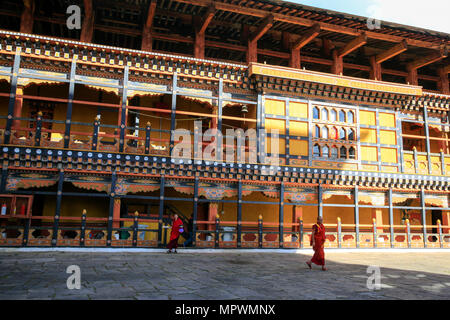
44 231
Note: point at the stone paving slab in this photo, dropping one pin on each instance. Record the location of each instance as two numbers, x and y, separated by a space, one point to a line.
223 275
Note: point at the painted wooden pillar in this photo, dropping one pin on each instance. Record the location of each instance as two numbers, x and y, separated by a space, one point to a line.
95 133
424 216
161 209
111 208
260 147
173 110
357 215
300 222
135 228
195 213
391 217
27 17
281 215
73 69
4 176
123 109
260 231
287 150
83 228
37 136
239 214
148 130
320 199
12 96
213 211
219 151
116 213
58 207
18 107
26 232
427 135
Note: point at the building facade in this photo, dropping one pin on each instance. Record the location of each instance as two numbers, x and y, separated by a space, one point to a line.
356 118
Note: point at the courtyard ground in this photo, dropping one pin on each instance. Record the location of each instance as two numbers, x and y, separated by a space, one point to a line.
246 275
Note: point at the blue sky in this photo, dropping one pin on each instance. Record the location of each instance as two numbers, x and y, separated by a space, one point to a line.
428 14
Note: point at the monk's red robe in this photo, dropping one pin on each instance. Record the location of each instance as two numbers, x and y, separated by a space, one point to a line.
175 234
319 238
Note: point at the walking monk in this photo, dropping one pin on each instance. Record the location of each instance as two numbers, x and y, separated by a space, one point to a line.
318 242
177 227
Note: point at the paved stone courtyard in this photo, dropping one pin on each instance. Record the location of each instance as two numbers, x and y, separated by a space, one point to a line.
223 275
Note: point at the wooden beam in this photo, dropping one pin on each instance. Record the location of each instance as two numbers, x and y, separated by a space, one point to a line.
252 42
327 47
206 19
27 17
286 40
443 83
147 40
338 63
150 14
309 23
295 59
201 23
436 56
446 69
307 37
392 52
412 78
352 45
87 30
375 70
265 25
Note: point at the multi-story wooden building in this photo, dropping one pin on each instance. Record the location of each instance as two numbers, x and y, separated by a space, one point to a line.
86 117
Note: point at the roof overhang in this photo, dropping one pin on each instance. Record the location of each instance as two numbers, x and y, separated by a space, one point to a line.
333 80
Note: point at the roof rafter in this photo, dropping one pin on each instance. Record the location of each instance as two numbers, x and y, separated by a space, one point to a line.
352 45
436 56
392 52
264 26
308 23
307 37
150 15
206 19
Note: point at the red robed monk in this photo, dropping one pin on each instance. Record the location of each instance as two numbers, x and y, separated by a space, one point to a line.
318 242
177 229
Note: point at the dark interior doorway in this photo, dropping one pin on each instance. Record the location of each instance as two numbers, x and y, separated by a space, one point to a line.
435 216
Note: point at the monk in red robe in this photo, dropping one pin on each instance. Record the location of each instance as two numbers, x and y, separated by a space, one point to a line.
177 229
318 242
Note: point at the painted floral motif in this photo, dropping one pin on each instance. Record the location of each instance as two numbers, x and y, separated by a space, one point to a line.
17 183
96 186
124 186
